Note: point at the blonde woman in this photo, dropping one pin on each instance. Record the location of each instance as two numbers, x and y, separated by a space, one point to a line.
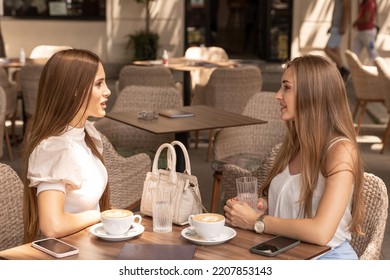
314 190
65 177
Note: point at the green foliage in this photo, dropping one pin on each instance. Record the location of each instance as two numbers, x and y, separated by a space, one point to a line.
145 45
144 42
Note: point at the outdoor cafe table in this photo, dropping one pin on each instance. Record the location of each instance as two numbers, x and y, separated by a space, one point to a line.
204 118
92 247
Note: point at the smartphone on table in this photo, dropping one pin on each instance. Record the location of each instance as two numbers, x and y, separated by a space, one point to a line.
55 247
274 246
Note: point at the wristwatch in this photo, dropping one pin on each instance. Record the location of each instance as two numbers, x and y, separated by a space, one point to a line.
259 224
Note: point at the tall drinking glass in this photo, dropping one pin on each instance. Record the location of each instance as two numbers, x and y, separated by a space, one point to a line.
162 209
247 191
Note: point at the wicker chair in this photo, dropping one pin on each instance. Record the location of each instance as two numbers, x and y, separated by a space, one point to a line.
376 202
11 208
157 76
365 83
29 79
128 140
375 199
126 176
247 146
210 54
384 81
12 91
3 128
228 89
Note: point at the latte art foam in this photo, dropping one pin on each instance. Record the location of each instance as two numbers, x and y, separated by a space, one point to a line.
117 214
208 218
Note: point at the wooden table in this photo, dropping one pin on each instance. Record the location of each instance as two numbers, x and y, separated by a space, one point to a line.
94 248
186 65
205 118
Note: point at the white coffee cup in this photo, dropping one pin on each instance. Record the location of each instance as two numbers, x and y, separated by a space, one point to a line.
207 225
119 221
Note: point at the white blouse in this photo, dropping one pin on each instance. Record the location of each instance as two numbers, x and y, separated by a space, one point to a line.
66 159
283 202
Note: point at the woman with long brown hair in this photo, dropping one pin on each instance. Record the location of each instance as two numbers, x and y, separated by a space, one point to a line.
314 190
65 177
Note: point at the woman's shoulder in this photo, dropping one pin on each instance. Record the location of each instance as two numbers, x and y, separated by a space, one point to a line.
341 151
53 160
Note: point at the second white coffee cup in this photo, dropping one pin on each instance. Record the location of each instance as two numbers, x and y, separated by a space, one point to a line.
119 221
207 225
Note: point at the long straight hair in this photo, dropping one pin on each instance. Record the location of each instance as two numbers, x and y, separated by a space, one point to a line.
65 85
322 111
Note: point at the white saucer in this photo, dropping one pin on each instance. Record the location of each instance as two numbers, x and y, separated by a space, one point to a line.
99 231
227 234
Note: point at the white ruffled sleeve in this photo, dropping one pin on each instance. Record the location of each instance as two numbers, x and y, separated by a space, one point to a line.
53 161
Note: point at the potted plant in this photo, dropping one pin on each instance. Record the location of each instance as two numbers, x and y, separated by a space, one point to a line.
144 42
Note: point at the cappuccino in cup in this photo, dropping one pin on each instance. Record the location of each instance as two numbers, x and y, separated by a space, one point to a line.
119 221
207 225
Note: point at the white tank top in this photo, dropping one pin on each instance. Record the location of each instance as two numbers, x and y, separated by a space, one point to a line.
283 200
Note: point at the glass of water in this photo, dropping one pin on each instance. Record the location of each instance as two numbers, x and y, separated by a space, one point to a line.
162 209
247 191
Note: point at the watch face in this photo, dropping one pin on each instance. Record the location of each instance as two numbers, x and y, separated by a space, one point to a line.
259 226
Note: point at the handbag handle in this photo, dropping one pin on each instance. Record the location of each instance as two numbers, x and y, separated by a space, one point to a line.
171 158
187 168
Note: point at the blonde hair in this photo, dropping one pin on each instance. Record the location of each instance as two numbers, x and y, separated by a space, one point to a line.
322 111
65 84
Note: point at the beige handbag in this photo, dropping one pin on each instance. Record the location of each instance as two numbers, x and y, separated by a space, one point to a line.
186 199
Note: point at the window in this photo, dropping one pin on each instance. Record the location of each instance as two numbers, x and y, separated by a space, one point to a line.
55 9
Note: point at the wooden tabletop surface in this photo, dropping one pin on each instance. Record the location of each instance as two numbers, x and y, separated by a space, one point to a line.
92 247
205 118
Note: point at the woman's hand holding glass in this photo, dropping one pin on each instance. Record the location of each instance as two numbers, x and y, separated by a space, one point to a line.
239 214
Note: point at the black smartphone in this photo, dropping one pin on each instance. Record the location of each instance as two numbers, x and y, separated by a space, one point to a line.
274 246
55 247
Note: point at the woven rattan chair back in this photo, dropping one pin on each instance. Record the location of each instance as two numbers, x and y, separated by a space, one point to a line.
158 76
11 208
253 139
229 89
376 202
384 82
11 90
3 108
29 79
136 99
126 176
365 84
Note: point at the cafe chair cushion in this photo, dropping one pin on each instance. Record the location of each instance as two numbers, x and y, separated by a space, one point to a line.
46 51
